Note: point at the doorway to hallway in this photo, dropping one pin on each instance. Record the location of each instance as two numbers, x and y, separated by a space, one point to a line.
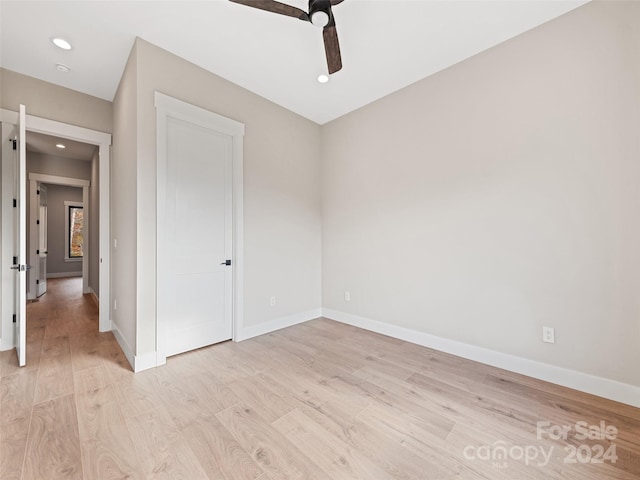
12 336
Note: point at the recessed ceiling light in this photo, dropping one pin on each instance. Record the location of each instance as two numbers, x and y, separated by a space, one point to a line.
60 145
62 43
323 78
62 68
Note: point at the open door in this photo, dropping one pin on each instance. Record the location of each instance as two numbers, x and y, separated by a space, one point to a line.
41 254
20 223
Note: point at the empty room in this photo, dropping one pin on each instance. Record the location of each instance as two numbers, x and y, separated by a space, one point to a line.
320 239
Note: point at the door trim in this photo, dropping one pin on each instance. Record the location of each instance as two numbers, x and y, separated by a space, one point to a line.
169 107
103 141
37 179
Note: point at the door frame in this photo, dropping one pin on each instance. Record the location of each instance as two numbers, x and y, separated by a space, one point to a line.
35 179
103 141
169 107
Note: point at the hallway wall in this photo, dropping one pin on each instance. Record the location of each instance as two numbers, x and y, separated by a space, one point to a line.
47 100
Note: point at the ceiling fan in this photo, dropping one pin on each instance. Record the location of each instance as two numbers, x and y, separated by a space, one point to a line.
320 15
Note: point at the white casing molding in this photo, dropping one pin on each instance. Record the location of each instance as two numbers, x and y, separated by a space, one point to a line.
36 179
169 107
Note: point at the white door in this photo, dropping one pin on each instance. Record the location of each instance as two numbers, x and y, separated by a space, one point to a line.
195 237
20 227
42 251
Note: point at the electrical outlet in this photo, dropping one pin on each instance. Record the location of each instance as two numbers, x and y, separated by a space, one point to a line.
272 302
549 334
347 296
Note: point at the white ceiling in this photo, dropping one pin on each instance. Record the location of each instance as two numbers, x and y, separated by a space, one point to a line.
386 44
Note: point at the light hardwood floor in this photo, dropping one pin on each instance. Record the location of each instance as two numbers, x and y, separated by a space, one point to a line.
319 400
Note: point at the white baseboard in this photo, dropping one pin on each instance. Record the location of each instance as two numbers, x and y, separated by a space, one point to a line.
151 359
126 349
64 274
277 324
138 362
94 297
7 343
602 387
145 362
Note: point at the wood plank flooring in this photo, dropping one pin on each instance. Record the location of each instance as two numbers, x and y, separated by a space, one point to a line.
319 400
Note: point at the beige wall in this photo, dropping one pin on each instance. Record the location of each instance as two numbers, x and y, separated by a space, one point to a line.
44 99
58 166
500 195
124 212
281 191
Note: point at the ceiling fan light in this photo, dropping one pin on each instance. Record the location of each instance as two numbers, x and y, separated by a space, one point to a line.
323 78
320 18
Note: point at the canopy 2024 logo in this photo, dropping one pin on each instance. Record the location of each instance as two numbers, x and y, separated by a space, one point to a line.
540 455
583 453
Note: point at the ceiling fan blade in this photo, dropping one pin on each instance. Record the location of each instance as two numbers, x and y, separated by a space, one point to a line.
275 7
336 2
332 48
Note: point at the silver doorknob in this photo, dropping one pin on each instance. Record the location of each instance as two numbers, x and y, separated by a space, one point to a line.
21 268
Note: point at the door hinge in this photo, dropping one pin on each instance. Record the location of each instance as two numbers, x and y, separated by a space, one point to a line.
37 282
37 222
14 318
15 144
15 203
